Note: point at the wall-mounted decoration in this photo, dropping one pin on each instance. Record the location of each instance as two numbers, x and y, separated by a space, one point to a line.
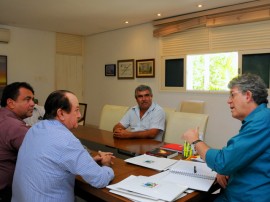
3 73
125 69
257 63
172 74
145 68
110 70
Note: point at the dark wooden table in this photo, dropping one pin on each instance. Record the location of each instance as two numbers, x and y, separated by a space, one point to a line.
121 169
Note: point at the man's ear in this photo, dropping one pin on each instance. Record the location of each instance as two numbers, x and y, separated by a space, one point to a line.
60 114
249 96
10 103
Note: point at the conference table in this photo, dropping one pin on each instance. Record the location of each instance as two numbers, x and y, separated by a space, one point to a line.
92 136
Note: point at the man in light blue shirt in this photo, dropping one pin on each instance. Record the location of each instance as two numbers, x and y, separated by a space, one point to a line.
51 156
146 120
243 166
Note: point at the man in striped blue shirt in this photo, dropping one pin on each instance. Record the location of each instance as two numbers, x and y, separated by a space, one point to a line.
51 156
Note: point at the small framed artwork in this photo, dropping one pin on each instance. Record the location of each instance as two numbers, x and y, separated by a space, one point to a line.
145 68
110 70
3 73
125 69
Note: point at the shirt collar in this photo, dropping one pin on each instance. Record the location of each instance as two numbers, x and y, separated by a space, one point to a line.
257 109
151 108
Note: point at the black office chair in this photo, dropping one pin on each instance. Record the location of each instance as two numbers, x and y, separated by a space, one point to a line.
83 109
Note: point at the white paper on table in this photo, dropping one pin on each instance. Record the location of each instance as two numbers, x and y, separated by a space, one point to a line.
115 187
139 197
153 162
156 188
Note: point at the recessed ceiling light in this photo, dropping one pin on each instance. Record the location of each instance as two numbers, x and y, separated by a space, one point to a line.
159 14
199 5
126 22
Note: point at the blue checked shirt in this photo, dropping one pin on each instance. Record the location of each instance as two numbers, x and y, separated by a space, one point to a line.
48 161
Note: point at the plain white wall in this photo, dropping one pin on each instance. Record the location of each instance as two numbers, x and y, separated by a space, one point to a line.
31 58
138 43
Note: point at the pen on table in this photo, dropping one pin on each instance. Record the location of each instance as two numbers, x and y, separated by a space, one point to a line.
185 148
195 170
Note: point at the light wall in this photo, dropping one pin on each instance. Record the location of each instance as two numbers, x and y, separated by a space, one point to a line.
138 43
31 58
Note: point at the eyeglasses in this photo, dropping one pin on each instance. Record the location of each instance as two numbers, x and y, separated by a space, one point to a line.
232 94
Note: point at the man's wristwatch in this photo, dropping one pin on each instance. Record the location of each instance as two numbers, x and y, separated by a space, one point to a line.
196 141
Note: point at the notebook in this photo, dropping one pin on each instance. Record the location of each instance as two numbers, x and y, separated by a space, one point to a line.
173 147
195 175
162 153
152 162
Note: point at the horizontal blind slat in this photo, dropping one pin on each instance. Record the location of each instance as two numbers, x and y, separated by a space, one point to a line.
246 36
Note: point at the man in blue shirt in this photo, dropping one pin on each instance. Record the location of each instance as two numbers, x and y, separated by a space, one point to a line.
146 120
51 156
243 166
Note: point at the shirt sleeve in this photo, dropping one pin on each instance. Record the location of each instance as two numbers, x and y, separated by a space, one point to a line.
242 149
78 161
125 121
18 133
158 119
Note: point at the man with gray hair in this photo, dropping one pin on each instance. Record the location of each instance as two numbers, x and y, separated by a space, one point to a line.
243 165
146 120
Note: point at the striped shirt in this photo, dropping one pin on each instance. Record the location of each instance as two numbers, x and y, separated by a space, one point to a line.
48 161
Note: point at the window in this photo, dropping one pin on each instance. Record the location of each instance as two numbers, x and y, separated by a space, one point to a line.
173 74
257 63
174 69
211 72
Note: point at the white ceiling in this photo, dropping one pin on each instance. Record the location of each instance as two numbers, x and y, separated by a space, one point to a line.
86 17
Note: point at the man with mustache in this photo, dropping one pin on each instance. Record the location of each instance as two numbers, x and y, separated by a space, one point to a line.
146 120
17 103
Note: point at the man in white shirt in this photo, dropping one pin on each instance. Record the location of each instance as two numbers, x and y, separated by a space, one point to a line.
146 120
38 114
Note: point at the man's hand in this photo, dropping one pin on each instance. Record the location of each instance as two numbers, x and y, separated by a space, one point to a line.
191 135
104 158
121 133
222 180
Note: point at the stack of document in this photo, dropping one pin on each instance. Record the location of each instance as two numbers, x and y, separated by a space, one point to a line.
147 189
153 162
194 175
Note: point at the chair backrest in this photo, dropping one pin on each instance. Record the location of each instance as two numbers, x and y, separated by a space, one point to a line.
168 112
83 110
111 115
192 106
180 122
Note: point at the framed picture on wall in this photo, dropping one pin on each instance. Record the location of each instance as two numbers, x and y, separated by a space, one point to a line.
145 68
125 69
3 73
110 70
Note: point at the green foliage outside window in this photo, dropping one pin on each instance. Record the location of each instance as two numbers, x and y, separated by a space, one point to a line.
211 71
